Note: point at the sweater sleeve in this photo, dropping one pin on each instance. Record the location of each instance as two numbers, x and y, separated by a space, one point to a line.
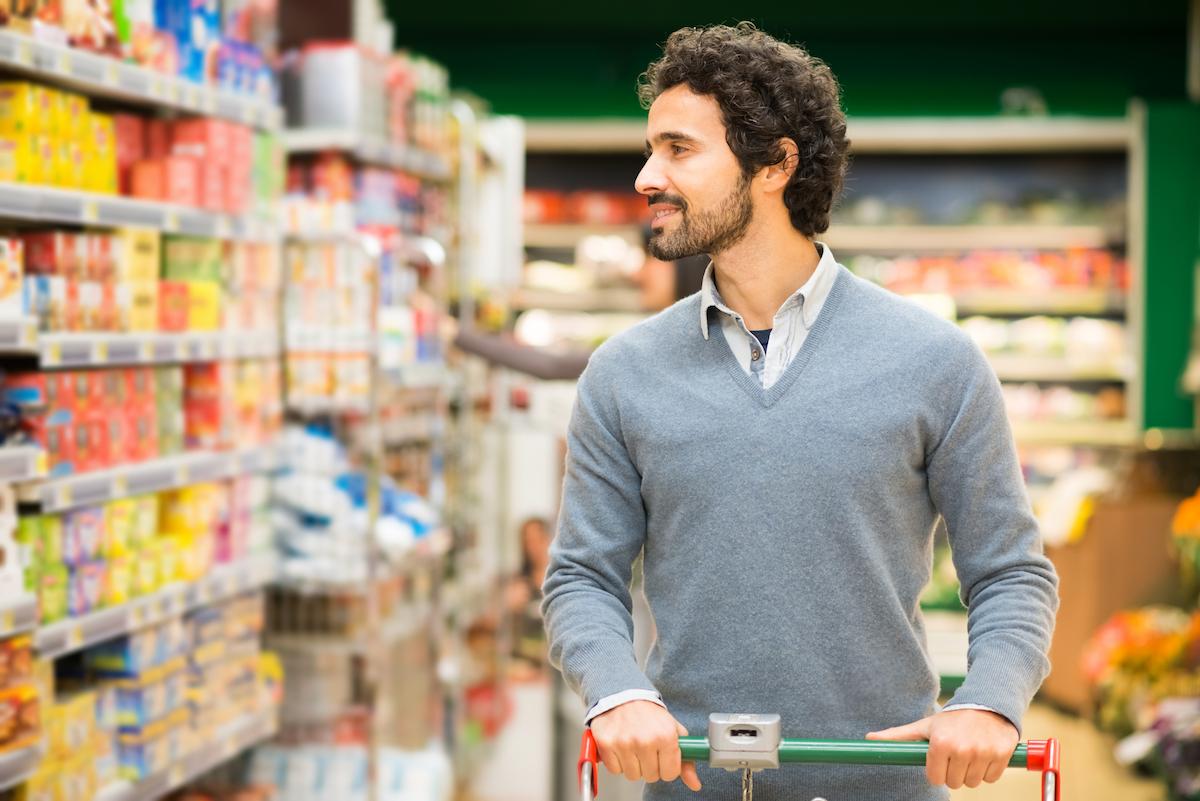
1009 587
601 529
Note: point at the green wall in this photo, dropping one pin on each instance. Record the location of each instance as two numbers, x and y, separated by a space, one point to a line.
543 60
1172 212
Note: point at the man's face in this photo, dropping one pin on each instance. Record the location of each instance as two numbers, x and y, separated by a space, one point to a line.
697 191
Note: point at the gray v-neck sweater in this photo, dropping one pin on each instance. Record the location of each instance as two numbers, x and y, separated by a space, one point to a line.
788 533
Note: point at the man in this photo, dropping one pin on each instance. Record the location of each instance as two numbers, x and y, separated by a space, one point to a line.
780 446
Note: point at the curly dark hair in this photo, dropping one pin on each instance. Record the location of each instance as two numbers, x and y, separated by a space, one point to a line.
767 90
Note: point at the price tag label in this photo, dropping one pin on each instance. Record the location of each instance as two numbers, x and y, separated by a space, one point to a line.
146 351
100 352
75 636
90 212
24 54
223 229
8 620
110 72
137 615
120 486
41 464
62 496
62 61
175 776
29 334
171 220
53 354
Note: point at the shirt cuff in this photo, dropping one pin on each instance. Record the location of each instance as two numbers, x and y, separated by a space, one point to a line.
613 701
981 708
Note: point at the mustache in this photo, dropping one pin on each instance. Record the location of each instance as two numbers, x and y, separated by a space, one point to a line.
663 197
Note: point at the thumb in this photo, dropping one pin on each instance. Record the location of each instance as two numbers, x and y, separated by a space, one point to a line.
910 732
687 772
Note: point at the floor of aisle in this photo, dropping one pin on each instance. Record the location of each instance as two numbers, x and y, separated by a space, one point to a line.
1088 769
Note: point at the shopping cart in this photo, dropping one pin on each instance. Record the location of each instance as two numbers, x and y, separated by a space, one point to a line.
750 743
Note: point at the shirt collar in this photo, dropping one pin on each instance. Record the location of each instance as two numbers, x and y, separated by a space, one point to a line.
814 292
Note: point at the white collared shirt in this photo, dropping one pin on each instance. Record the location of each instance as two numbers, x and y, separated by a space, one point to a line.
789 329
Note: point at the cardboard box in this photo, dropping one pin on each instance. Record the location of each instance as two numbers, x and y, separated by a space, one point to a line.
100 154
27 158
172 305
51 253
181 180
12 269
1124 560
158 138
26 109
204 306
147 179
70 167
141 254
143 305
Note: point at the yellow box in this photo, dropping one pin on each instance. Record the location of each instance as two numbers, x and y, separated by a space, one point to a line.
140 254
72 116
27 158
143 306
204 305
68 164
54 728
43 785
26 108
78 779
100 154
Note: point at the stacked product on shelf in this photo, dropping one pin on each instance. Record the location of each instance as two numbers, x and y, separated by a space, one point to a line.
588 207
54 138
137 706
101 557
322 528
219 44
21 702
89 420
329 313
307 773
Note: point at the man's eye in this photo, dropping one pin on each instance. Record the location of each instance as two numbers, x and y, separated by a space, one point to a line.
678 150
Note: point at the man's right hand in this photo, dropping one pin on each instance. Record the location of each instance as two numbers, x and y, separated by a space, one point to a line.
640 740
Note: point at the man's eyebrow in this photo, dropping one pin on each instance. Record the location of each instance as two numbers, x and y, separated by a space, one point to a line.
673 136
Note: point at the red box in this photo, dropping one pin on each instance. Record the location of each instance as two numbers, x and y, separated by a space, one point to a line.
202 427
141 426
121 449
130 133
112 393
84 389
73 315
50 394
241 147
58 441
147 180
101 257
139 386
158 138
172 305
212 186
91 443
51 253
204 137
109 318
181 180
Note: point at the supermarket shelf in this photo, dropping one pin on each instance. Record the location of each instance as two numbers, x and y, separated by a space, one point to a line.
1033 301
18 335
946 633
1100 433
933 238
74 350
169 472
103 76
225 581
229 742
883 135
21 463
401 626
18 766
567 235
18 618
1010 367
318 407
368 150
51 204
625 301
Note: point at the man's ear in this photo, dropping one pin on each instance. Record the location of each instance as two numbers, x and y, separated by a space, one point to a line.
782 170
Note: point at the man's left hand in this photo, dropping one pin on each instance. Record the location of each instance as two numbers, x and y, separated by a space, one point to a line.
966 746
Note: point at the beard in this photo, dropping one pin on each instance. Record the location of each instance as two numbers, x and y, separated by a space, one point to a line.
709 231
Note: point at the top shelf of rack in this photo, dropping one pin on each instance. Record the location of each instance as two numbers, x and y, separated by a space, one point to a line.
103 76
873 135
369 150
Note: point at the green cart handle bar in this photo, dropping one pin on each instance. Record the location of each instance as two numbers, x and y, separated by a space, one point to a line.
1035 755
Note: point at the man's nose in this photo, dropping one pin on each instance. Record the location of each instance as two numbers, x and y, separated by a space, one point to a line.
651 178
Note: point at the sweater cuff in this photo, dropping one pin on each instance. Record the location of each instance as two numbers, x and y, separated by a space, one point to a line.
979 707
1004 682
611 702
603 670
